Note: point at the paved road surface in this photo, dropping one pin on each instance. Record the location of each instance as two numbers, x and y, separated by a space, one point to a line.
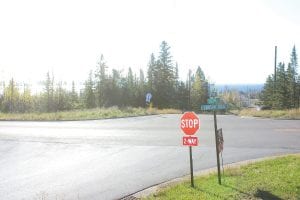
109 159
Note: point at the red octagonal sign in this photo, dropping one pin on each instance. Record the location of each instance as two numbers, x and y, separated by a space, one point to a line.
190 123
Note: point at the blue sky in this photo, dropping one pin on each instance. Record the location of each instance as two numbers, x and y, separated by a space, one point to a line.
233 41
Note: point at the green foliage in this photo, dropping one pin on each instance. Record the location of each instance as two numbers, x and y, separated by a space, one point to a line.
285 92
232 99
101 82
89 95
11 97
163 85
106 87
199 90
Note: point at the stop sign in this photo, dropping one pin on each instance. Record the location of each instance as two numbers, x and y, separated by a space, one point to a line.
190 123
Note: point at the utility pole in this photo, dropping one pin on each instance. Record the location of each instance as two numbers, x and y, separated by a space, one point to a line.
189 102
275 66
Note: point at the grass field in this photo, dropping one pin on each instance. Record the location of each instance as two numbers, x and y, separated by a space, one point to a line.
273 179
98 113
276 114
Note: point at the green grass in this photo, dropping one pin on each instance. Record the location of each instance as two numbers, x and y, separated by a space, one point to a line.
98 113
276 114
271 179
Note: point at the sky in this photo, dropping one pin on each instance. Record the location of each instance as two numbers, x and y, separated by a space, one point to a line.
232 41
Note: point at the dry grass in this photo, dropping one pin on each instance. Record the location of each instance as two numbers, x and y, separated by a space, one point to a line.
277 114
86 114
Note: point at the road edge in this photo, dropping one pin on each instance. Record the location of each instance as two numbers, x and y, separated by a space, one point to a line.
155 188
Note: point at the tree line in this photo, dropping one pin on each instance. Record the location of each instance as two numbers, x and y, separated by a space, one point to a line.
282 90
105 88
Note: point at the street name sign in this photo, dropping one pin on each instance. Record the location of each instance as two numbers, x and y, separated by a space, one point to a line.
213 100
207 107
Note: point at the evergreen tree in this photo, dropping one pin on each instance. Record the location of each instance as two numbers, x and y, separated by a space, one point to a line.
49 92
131 82
199 90
89 95
26 100
141 90
62 100
74 96
294 67
289 87
150 73
298 92
114 96
280 93
101 83
11 97
284 94
183 96
164 78
268 91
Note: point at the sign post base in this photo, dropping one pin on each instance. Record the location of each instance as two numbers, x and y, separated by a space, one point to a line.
191 167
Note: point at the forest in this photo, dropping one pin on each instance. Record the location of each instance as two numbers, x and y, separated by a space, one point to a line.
106 87
282 89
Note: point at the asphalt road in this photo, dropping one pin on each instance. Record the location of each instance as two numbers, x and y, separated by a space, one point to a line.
109 159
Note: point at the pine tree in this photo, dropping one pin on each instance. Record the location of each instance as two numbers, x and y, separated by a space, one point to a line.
129 89
89 95
289 87
101 83
150 72
49 92
199 90
298 92
280 95
11 97
114 96
268 92
183 96
284 93
61 98
294 67
164 78
27 100
141 91
74 96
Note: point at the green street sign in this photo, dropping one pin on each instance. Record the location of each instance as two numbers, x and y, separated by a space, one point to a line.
213 107
213 101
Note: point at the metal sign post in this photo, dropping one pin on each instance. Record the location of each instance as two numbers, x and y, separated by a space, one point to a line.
217 145
191 167
215 104
190 124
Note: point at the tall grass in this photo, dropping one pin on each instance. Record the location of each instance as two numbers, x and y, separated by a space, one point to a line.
86 114
277 114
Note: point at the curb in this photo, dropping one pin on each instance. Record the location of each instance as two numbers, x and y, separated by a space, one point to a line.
155 188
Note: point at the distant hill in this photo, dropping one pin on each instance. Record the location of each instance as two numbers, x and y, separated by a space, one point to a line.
240 87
